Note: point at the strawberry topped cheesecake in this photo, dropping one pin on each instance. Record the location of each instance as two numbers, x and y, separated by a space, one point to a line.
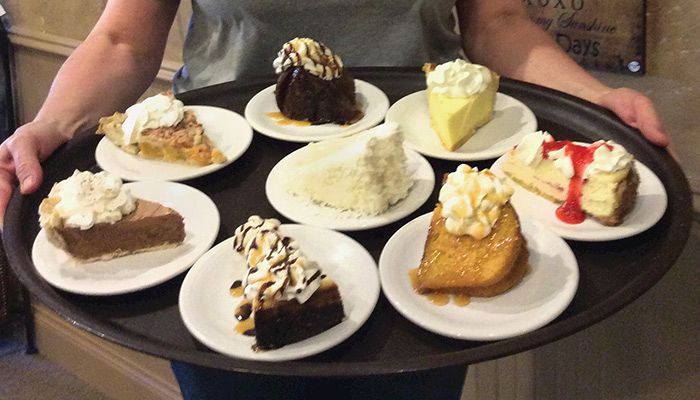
597 180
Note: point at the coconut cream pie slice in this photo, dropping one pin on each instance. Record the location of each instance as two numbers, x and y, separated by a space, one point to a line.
597 179
160 128
461 97
286 296
366 173
93 217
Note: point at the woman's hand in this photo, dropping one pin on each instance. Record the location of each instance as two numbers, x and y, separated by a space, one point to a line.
20 157
637 111
500 34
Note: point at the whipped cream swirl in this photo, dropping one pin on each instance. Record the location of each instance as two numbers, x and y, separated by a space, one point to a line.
608 157
472 201
313 56
277 268
157 111
529 151
85 199
458 78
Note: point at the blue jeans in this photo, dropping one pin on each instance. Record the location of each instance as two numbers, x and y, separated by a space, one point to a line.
202 383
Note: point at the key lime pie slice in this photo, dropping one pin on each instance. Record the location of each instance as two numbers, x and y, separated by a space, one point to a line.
461 97
365 173
597 179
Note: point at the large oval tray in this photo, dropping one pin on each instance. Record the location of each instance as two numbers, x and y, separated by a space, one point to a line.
612 273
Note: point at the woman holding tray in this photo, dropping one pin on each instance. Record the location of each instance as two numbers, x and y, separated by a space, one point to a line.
236 40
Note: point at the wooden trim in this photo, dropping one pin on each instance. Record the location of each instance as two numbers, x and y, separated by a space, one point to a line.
63 46
117 372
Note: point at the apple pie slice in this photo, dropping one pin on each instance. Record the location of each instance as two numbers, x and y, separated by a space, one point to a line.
159 128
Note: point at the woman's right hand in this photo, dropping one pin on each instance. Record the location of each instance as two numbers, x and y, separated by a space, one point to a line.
20 158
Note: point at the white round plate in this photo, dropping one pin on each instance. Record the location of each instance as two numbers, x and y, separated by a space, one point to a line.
228 130
207 307
511 121
371 101
138 271
302 210
648 209
544 293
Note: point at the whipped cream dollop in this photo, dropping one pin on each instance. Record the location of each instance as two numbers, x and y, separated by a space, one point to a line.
472 201
458 78
85 199
157 111
313 56
608 156
529 151
277 268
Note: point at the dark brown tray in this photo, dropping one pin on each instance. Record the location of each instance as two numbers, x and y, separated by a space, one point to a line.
612 274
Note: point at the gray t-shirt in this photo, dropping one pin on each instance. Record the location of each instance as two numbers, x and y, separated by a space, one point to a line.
232 39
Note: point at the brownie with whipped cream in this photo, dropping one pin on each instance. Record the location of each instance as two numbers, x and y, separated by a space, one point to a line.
313 85
93 217
286 295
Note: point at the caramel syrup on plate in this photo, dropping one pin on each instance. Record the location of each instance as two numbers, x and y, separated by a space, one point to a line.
439 299
245 325
281 120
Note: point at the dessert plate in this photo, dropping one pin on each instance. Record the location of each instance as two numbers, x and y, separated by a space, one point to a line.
511 121
648 209
138 271
207 308
304 211
371 100
228 130
544 293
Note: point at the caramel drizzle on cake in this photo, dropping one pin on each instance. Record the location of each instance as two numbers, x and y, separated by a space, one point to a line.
287 298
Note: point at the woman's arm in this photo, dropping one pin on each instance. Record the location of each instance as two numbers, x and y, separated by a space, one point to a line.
499 34
108 71
115 64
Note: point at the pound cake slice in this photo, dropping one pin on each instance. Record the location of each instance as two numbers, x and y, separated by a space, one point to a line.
598 179
474 245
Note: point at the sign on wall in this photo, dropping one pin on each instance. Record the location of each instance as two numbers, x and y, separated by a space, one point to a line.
606 35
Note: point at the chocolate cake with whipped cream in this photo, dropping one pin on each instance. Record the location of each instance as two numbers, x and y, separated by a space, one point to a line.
312 84
286 295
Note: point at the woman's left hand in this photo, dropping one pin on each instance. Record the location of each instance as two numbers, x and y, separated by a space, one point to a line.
636 110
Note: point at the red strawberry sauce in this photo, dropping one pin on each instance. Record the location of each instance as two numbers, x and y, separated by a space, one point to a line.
581 156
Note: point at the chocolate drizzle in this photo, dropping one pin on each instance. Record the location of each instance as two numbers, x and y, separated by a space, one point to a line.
276 267
244 311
